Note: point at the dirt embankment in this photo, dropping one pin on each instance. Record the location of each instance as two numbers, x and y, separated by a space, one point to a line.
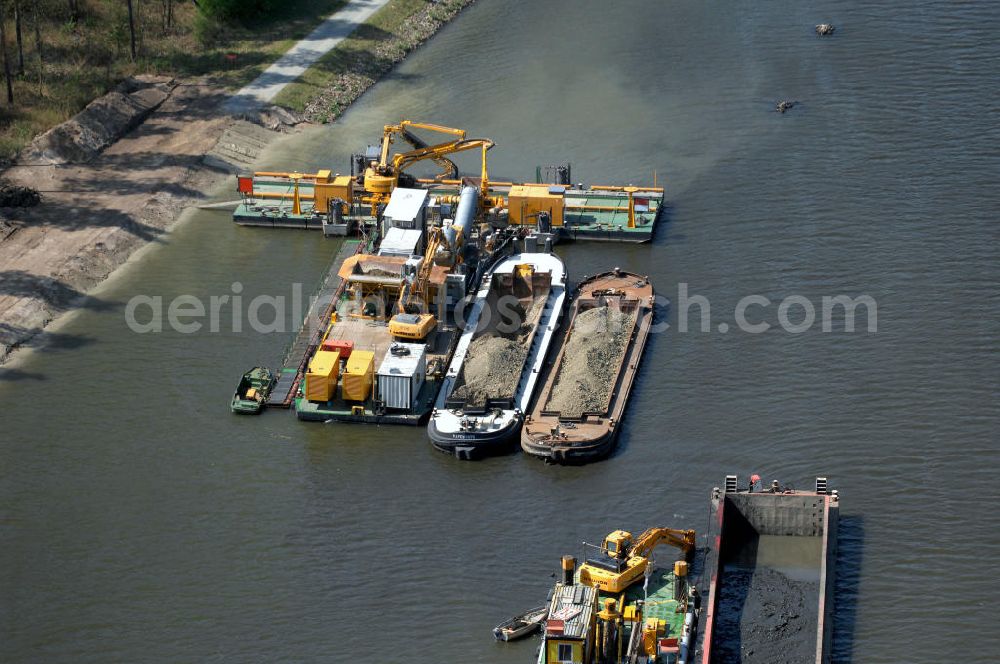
112 179
119 174
589 366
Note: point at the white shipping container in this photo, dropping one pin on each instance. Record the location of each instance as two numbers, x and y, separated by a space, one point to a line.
400 242
406 208
401 375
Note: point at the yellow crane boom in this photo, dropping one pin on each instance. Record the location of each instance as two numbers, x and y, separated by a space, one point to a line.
382 176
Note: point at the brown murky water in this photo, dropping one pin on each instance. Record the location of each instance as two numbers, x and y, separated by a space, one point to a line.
141 521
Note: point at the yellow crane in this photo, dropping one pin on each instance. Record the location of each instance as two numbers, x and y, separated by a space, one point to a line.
382 176
623 562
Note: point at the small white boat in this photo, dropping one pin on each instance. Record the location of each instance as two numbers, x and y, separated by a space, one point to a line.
521 626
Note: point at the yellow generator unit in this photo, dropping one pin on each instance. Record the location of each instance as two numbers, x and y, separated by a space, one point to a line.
412 327
525 201
328 188
359 373
321 379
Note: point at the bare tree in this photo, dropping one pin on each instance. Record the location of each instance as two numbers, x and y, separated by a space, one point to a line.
17 37
38 32
131 28
38 45
6 62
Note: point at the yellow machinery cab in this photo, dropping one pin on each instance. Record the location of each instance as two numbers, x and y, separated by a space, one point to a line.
412 327
618 542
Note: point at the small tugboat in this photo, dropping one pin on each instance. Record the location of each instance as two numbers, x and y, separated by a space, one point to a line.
253 390
578 412
498 358
521 626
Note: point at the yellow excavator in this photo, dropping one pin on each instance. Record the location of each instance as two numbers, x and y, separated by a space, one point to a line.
382 176
623 562
416 325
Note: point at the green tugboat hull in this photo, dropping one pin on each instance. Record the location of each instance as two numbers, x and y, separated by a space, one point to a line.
252 392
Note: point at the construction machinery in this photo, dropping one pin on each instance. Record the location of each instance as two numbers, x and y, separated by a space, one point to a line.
622 561
413 321
652 624
384 175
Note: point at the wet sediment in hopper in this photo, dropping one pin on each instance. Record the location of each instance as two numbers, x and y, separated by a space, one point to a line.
766 617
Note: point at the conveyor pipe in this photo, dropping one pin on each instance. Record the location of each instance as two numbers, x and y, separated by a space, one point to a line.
465 213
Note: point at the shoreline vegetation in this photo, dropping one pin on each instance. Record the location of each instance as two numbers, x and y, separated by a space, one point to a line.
54 253
70 52
74 51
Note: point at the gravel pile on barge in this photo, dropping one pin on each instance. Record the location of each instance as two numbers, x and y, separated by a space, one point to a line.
593 353
494 362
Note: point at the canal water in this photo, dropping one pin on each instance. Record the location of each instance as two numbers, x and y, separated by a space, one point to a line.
141 521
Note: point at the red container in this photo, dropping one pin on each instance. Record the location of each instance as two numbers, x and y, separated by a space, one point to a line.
345 347
244 185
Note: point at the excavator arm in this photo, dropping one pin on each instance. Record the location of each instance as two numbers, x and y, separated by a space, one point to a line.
419 286
651 538
389 132
382 177
448 168
401 161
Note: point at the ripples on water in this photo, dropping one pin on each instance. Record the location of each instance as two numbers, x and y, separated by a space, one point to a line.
140 521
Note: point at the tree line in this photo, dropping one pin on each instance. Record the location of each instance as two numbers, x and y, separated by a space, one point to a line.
27 16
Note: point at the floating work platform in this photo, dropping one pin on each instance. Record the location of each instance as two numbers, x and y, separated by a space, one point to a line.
653 619
308 338
366 334
303 201
597 213
551 206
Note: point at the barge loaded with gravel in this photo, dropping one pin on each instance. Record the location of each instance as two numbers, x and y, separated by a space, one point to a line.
578 413
498 359
771 565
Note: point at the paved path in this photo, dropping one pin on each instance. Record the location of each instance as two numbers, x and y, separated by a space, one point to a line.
303 55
